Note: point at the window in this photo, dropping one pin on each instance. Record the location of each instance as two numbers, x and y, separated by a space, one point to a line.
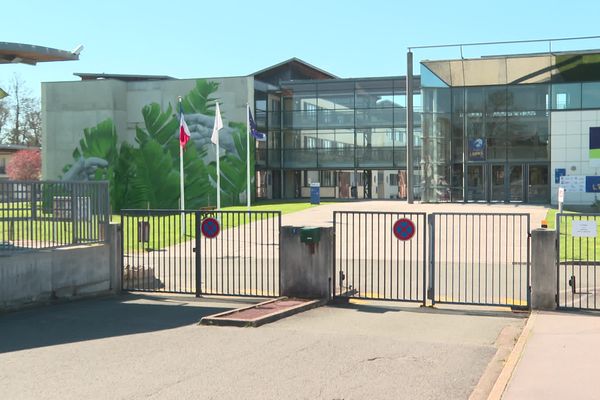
394 179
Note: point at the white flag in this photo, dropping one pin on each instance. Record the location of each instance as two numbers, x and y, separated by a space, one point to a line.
218 125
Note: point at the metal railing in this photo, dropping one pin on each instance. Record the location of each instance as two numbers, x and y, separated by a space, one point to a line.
171 251
480 259
50 214
578 275
370 262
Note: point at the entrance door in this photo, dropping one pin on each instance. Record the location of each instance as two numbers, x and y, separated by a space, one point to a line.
538 190
475 183
498 183
515 182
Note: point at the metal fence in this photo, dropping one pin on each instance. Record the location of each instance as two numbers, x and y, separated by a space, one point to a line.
171 251
370 262
50 214
480 259
578 278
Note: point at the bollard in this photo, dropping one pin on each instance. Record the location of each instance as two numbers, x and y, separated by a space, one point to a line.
543 269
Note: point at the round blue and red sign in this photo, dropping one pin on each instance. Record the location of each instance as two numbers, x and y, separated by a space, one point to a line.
404 229
210 228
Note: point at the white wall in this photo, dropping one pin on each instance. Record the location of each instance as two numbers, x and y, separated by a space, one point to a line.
570 150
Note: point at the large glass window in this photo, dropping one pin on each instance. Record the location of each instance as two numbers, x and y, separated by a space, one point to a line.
591 95
566 96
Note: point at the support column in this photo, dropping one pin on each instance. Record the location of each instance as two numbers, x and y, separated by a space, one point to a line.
543 269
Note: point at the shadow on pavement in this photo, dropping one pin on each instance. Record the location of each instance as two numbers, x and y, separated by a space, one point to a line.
101 318
380 309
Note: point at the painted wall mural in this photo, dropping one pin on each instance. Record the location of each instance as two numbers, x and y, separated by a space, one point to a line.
146 174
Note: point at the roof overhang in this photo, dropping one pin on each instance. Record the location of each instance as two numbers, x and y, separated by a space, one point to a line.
15 53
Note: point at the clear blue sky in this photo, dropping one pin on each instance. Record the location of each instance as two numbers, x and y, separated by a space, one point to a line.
349 38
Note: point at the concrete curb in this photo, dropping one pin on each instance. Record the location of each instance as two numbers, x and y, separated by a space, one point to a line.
219 320
512 361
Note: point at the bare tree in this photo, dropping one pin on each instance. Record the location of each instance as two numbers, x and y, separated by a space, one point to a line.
22 115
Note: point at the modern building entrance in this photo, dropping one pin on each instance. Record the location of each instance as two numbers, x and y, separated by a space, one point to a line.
507 183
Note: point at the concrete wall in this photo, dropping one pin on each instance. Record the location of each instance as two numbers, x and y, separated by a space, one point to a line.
70 107
305 272
41 276
543 269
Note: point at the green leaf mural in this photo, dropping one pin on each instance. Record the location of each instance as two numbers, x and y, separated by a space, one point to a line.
156 183
147 174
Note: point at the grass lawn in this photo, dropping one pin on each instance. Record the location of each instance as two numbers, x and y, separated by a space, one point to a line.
164 230
575 248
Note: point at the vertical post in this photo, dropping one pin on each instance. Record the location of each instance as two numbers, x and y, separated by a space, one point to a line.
409 127
248 155
431 287
198 254
181 177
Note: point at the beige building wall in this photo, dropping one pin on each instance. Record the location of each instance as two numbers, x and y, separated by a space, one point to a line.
70 107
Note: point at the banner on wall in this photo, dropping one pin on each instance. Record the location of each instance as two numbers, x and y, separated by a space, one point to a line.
595 146
477 149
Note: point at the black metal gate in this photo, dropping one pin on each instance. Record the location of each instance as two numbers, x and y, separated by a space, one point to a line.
371 263
168 251
578 277
480 259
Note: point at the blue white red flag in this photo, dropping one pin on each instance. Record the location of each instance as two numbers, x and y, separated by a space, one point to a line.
184 131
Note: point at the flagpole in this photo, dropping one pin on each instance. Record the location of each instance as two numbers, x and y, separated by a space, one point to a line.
181 177
248 193
218 171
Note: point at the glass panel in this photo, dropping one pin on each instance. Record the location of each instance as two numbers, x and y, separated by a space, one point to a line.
516 182
374 117
495 99
437 100
497 187
375 94
566 96
339 118
591 95
527 97
538 188
475 183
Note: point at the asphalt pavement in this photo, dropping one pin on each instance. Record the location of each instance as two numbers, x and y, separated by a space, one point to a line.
145 346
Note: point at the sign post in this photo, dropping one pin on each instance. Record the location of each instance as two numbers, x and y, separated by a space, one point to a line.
561 198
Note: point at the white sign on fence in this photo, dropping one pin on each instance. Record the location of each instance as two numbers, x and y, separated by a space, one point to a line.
583 228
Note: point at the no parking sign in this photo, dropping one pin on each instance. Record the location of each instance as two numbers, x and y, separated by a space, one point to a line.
210 228
404 229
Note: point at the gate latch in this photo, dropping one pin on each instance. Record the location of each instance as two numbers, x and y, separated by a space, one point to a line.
573 284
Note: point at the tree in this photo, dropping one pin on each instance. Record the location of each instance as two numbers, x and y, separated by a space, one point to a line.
25 165
20 115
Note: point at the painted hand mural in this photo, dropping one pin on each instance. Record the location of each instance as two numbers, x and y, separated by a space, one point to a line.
147 174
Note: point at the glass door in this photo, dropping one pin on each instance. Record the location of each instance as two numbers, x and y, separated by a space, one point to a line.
538 189
498 183
515 182
475 183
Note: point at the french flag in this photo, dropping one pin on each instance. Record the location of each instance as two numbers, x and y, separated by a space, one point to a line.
184 131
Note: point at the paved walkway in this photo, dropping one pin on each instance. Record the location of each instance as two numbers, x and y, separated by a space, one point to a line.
560 360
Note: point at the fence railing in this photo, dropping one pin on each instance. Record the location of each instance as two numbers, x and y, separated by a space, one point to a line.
50 214
578 264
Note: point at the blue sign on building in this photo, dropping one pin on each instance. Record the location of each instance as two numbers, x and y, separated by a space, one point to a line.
558 172
592 184
477 149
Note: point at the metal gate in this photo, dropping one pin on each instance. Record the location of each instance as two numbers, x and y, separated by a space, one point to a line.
171 251
578 278
480 259
371 263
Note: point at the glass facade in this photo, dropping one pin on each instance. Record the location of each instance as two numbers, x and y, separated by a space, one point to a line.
352 129
491 142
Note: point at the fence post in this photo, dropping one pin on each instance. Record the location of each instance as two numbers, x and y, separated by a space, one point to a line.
197 254
115 233
431 286
543 269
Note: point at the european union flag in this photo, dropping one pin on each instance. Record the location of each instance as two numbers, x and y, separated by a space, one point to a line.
261 137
